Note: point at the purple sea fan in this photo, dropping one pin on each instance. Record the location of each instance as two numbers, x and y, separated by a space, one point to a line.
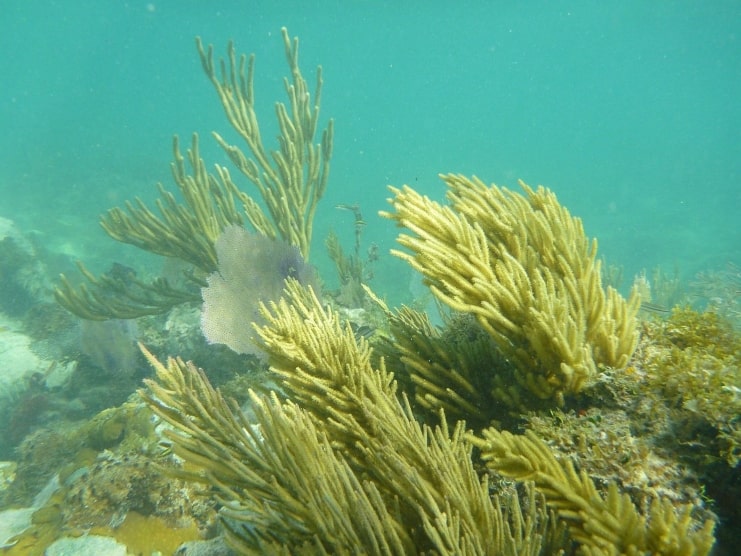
110 344
252 269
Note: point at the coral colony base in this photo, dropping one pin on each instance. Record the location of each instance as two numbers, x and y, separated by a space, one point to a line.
546 415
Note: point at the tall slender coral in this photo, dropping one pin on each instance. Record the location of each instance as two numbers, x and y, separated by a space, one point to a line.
186 231
290 181
522 265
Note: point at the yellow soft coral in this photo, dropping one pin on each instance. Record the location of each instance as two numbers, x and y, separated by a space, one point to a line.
522 265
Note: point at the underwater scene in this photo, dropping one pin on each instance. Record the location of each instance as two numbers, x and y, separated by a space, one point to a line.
370 277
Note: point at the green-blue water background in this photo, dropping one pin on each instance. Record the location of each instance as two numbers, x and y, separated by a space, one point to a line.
628 110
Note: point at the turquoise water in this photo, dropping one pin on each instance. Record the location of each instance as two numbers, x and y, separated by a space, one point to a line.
630 112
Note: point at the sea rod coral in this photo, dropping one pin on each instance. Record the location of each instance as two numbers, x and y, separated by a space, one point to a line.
290 181
524 268
343 463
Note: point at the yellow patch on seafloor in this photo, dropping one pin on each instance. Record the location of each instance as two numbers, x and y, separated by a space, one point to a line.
148 534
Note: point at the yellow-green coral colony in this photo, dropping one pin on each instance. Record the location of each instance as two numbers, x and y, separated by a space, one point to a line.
340 458
415 486
522 265
290 182
349 408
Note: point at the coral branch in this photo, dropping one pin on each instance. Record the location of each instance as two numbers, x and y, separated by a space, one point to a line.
522 265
